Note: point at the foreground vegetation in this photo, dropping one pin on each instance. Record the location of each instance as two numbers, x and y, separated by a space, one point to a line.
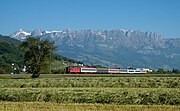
133 96
87 92
27 76
47 106
107 75
92 82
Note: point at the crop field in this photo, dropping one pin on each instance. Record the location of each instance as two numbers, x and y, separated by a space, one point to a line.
93 82
90 93
49 106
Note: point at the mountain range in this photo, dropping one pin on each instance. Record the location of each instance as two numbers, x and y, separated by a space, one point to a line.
113 48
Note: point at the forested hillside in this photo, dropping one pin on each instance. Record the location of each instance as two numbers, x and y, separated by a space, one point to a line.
10 54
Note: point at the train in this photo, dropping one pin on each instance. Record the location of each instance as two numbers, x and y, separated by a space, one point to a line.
93 70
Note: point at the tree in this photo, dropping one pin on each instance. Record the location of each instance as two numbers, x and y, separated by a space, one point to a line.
160 71
176 71
36 55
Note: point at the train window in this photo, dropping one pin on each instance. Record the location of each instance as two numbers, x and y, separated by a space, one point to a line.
114 70
88 69
137 71
123 70
131 71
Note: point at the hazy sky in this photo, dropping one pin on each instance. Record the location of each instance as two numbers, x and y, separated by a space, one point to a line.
161 16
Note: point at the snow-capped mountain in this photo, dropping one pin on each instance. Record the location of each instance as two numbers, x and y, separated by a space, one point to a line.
20 34
122 48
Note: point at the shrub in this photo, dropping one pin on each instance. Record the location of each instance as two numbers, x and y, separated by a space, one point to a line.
2 71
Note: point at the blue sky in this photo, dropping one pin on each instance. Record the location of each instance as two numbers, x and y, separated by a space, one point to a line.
161 16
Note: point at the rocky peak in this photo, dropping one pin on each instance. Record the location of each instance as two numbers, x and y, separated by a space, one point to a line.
36 32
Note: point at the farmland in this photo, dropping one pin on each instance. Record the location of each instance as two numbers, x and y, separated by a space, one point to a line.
91 92
49 106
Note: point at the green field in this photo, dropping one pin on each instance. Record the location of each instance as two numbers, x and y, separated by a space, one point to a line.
24 76
90 92
48 106
93 82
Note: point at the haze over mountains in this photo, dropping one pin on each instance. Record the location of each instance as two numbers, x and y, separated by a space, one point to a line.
113 48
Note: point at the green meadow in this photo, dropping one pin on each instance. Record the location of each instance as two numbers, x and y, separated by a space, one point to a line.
90 92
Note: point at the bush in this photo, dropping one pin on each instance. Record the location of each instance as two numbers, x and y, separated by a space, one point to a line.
2 71
59 71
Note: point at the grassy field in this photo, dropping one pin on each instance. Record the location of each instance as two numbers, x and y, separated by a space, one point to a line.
44 106
93 82
120 96
107 75
90 92
21 76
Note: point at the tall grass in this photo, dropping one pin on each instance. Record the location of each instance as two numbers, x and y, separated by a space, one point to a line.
100 82
107 75
93 95
104 90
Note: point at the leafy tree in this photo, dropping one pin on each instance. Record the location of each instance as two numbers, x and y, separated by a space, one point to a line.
176 71
160 71
36 55
2 71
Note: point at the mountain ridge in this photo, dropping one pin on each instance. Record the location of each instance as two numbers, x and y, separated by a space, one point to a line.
120 48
